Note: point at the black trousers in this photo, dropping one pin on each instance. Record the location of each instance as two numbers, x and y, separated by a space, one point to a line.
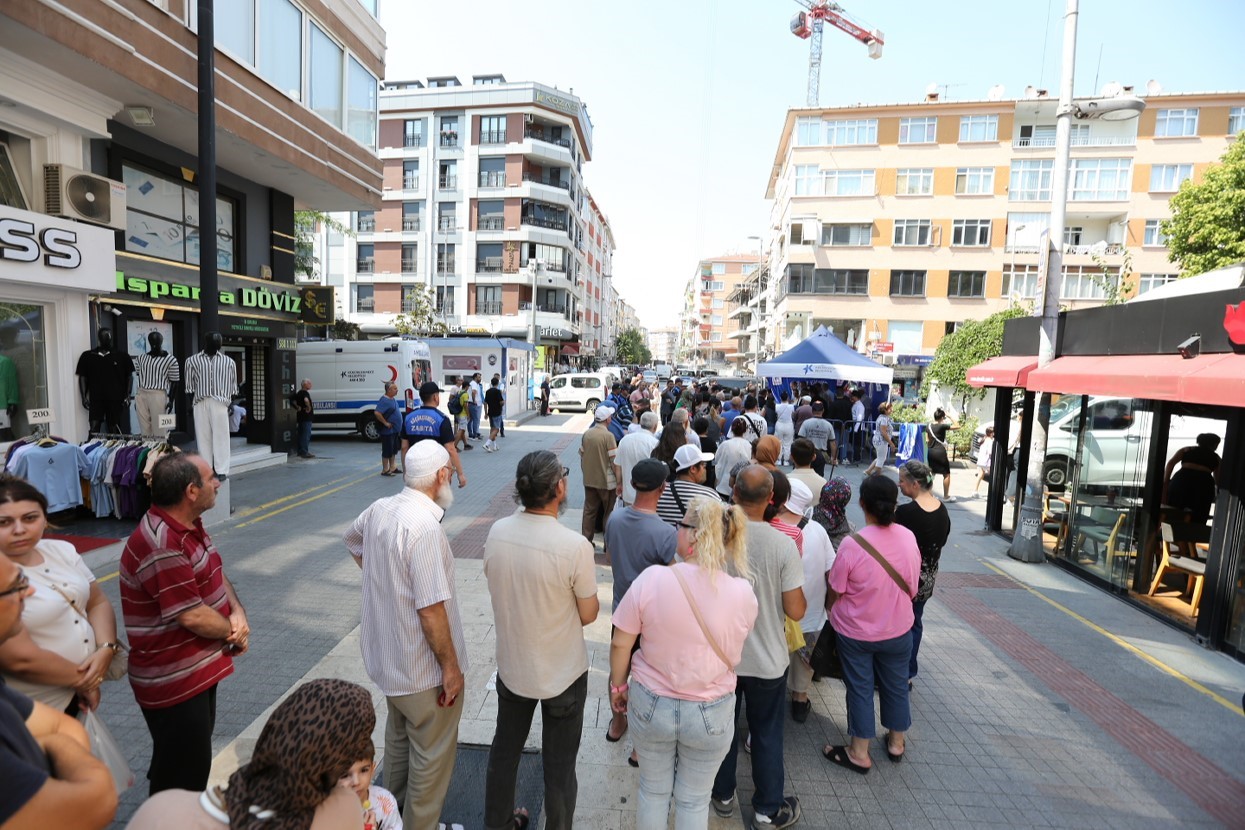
181 743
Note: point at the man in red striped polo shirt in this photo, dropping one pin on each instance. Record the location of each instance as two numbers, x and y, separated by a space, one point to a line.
184 621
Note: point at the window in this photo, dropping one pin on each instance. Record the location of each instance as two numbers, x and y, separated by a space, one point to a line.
410 174
715 337
492 129
364 298
445 258
281 56
411 215
907 283
1072 234
325 69
11 194
848 182
1149 281
361 104
448 178
970 233
365 258
1082 282
412 133
1031 180
1167 178
852 131
979 128
492 171
800 278
714 285
841 281
918 130
488 299
554 258
914 181
449 131
447 217
27 376
365 221
719 268
1176 122
235 28
490 215
1236 120
1154 234
799 234
975 181
1100 180
807 131
847 235
489 258
715 319
1021 282
162 219
410 258
748 268
718 302
445 299
911 232
966 284
807 180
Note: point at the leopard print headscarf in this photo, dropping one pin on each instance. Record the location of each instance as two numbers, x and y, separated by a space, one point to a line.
310 741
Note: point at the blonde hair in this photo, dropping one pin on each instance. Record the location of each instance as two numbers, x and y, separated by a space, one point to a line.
719 536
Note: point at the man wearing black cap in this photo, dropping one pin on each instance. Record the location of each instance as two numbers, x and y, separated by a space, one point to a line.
636 537
428 423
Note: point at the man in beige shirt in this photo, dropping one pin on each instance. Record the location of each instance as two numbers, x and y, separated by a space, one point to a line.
596 462
542 581
802 454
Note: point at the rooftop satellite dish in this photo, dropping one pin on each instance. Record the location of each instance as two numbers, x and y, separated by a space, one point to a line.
932 89
1154 88
1030 91
996 93
1111 89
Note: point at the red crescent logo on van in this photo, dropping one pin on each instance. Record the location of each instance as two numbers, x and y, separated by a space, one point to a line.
1234 323
393 377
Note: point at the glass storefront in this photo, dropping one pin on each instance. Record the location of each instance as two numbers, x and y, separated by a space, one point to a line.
23 365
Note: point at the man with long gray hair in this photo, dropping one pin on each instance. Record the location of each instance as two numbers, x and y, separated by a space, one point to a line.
412 635
543 584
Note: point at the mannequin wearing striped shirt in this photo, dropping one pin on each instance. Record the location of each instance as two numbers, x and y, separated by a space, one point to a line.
159 375
212 379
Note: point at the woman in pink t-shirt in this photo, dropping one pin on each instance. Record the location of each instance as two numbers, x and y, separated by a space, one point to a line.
692 619
872 614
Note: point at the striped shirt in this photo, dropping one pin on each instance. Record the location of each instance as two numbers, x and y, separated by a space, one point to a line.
668 504
167 569
157 372
211 376
407 565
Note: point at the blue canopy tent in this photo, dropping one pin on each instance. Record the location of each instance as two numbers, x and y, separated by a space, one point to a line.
822 356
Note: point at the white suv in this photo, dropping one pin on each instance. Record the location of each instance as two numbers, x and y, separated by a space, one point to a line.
579 390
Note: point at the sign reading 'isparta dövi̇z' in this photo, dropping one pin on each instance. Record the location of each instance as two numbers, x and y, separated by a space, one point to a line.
251 298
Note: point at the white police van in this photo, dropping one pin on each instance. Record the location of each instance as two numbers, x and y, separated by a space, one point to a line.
348 377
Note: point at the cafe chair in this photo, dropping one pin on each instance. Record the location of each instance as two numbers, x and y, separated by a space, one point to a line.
1103 525
1173 561
1054 519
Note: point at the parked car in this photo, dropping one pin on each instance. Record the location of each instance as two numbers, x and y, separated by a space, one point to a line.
579 390
738 384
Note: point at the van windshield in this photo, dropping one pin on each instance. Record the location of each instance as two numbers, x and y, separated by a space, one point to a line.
1066 404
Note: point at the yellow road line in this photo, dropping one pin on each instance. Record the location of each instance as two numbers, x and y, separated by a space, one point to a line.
1124 644
250 511
112 575
281 510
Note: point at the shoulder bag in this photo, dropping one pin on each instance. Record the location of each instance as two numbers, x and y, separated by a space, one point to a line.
120 659
704 629
886 566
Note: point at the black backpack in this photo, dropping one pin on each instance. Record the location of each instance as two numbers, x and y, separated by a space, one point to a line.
456 405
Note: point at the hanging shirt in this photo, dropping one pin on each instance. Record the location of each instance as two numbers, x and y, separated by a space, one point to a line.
55 472
157 372
9 393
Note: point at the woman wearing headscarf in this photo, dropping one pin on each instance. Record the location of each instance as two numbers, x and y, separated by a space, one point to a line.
929 522
291 782
768 449
831 510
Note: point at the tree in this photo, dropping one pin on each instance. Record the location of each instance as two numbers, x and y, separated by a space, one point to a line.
422 317
631 348
306 223
973 342
1111 280
345 330
1207 228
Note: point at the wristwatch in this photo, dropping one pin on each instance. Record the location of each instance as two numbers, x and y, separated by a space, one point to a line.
114 646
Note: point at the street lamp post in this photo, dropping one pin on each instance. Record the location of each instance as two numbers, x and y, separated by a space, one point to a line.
1027 539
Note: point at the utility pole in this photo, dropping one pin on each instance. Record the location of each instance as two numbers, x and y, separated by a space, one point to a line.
209 294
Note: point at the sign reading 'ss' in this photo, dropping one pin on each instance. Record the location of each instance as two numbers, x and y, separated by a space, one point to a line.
20 241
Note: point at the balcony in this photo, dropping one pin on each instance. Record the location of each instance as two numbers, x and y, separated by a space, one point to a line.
411 223
409 266
446 268
539 135
557 224
447 224
488 307
365 225
413 142
488 265
491 223
548 308
547 181
449 138
493 179
448 182
365 305
1094 248
410 182
1077 141
497 137
365 266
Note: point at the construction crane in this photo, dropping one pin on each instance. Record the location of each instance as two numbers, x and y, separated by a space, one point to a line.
808 25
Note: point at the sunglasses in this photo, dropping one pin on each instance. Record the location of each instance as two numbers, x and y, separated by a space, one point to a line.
566 472
686 526
20 587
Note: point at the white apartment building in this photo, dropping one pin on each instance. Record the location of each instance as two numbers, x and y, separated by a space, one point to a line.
708 334
663 343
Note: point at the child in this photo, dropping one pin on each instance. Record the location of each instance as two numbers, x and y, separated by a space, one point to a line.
380 809
984 452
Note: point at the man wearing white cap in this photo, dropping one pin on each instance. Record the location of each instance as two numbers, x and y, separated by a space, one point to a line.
596 461
688 483
412 635
817 557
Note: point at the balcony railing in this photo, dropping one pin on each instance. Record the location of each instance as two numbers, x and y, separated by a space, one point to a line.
411 223
365 226
365 306
365 266
448 183
1078 141
447 224
413 141
495 137
547 180
497 179
446 267
548 308
491 223
1106 249
410 182
488 307
489 265
539 135
449 138
542 222
408 266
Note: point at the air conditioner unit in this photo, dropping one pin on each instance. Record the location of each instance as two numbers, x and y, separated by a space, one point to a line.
77 194
528 118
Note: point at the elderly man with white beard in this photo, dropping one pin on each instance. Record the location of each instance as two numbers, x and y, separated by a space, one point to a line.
412 636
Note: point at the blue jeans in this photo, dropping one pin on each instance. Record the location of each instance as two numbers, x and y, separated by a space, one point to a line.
304 437
473 411
680 743
764 700
918 609
883 661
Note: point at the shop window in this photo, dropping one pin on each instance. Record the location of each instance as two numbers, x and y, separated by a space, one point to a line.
23 365
162 219
11 194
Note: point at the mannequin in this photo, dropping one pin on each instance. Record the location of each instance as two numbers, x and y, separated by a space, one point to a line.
212 381
159 375
105 381
10 392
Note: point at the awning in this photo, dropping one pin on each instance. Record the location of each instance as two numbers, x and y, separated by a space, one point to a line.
1216 379
570 348
1009 370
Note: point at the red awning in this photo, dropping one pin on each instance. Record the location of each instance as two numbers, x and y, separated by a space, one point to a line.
1217 379
1010 370
570 349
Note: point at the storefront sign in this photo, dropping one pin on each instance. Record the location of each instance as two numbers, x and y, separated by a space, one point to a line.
250 325
41 249
557 103
460 363
914 359
258 298
884 347
319 305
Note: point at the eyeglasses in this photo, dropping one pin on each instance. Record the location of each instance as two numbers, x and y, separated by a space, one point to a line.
20 587
686 526
566 472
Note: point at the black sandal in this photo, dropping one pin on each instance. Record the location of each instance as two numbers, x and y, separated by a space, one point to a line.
521 820
893 757
838 755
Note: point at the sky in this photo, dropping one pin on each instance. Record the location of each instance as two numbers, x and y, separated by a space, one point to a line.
688 97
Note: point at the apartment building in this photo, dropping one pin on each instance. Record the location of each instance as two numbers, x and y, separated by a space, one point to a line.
663 343
893 223
98 149
484 202
709 333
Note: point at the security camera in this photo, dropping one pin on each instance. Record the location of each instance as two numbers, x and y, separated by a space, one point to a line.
1190 348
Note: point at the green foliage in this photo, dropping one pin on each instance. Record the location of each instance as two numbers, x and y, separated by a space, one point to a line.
422 319
345 330
1207 228
973 342
908 415
1111 280
961 439
631 348
306 224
